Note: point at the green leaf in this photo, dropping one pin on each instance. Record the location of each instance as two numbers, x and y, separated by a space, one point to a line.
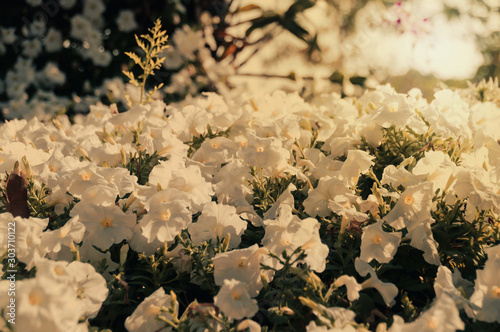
262 21
299 6
296 29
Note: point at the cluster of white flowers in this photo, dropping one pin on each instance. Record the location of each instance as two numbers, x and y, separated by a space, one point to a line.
268 137
38 40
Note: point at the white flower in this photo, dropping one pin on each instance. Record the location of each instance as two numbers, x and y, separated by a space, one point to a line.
353 287
67 4
90 286
443 316
333 318
388 290
215 222
173 58
139 242
54 270
31 47
421 238
452 285
188 41
81 179
448 114
377 244
51 75
46 305
190 181
93 8
318 199
399 176
101 58
105 224
436 167
232 184
95 257
80 27
190 121
215 151
288 232
263 152
476 186
163 141
126 21
53 40
144 317
8 35
413 206
487 292
357 163
37 27
286 198
242 265
168 214
250 325
395 111
233 300
71 232
28 237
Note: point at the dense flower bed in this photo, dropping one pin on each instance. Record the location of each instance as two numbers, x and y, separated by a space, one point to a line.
258 212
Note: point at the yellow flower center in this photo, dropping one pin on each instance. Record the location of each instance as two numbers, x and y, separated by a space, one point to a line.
393 107
35 298
242 263
59 270
409 200
215 146
106 223
236 295
153 310
165 216
432 324
377 239
85 176
496 292
260 149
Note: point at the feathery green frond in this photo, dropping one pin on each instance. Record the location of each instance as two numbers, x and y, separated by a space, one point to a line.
152 45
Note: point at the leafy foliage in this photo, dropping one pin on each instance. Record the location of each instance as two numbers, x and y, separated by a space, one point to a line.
152 45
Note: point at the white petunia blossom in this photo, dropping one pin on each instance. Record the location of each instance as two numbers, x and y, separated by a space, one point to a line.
126 21
216 222
388 290
288 232
144 318
487 290
242 265
413 206
46 305
443 316
29 231
378 244
353 287
234 301
168 214
318 199
263 152
105 224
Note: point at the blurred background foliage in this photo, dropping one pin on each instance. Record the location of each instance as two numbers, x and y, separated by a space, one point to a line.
64 55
